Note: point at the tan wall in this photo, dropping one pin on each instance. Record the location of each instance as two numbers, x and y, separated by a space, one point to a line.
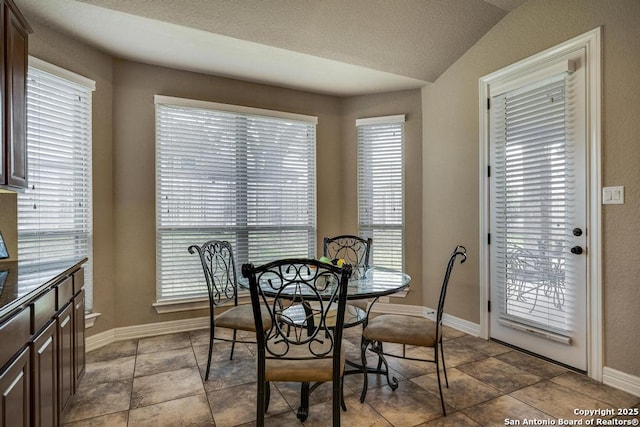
134 167
451 154
67 53
387 104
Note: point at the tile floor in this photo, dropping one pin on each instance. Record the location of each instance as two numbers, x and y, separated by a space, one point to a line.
159 381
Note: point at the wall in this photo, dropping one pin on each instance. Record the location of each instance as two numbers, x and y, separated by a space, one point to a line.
451 155
134 167
67 53
387 104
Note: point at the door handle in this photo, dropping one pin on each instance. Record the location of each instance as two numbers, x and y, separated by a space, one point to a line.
577 250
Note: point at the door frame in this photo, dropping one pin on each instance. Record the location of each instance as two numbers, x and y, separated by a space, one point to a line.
592 42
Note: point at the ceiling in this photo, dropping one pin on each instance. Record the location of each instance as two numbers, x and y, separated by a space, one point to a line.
336 47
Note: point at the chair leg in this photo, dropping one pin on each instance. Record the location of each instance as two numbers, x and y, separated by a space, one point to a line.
337 401
267 396
363 356
444 367
211 337
233 344
444 411
342 402
261 404
303 410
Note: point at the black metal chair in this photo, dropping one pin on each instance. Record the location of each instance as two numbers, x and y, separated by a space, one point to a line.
219 270
354 250
313 353
410 330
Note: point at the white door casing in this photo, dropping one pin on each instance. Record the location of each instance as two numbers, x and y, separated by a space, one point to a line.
583 54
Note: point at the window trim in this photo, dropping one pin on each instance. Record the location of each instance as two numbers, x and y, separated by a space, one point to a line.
90 86
172 303
386 120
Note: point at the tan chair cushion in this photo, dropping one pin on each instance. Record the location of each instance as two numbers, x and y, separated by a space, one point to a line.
401 329
241 318
304 370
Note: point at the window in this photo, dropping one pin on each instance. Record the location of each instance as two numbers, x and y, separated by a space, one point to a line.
231 173
55 211
381 188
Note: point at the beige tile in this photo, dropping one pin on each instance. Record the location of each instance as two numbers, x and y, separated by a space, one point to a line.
165 386
164 342
457 419
499 374
287 419
291 393
163 361
451 333
408 405
463 390
556 400
357 414
487 347
596 390
109 370
229 374
237 405
221 353
119 419
498 411
187 411
456 352
93 400
533 365
113 351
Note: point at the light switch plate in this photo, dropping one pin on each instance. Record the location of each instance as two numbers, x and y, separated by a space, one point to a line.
613 195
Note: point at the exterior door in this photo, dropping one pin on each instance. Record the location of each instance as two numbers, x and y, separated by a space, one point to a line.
538 211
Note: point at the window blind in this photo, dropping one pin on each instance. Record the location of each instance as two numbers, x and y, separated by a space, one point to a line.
55 211
381 188
242 177
534 195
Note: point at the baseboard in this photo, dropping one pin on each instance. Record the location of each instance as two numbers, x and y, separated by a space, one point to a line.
620 380
96 341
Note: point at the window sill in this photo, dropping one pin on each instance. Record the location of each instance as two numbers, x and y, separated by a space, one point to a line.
90 319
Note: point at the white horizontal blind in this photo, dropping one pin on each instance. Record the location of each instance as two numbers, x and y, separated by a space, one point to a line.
381 188
535 199
245 178
55 211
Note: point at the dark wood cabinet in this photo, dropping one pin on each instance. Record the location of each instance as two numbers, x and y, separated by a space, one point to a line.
79 338
42 350
44 385
65 356
15 48
15 399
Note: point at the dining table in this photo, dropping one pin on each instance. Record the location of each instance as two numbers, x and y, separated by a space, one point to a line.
369 282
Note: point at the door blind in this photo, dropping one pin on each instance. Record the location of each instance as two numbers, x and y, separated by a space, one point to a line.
55 211
534 196
245 178
381 188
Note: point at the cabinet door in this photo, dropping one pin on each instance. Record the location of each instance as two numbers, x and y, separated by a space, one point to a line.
78 326
16 92
14 392
3 157
44 384
65 357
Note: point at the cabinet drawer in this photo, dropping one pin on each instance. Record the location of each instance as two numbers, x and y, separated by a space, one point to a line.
42 310
14 334
64 292
78 281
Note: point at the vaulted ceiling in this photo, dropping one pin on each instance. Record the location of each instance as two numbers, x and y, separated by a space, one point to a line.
337 47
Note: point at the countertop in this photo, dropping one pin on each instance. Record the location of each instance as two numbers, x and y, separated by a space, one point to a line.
19 283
